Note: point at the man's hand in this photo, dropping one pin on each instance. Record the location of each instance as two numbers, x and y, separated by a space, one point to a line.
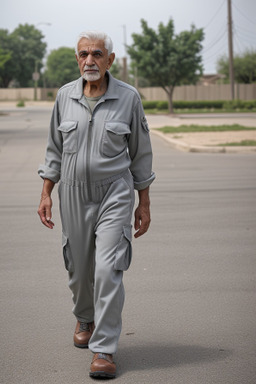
45 206
142 213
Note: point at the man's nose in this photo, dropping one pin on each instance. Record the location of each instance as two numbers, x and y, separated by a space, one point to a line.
89 60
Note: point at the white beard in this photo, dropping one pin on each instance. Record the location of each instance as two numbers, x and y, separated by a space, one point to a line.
91 76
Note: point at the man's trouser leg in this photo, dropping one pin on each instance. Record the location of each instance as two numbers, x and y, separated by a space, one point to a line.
112 257
97 238
78 221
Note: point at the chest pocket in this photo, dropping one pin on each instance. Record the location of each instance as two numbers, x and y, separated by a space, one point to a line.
115 138
68 130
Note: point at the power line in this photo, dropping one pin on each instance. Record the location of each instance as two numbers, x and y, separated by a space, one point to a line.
216 53
245 35
219 37
237 42
247 30
244 15
246 40
214 15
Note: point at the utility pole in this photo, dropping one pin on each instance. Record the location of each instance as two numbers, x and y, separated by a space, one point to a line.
125 72
230 50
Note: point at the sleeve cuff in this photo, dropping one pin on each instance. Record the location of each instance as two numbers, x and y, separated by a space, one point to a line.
48 173
139 185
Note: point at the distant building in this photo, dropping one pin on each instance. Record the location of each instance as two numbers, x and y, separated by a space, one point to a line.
211 79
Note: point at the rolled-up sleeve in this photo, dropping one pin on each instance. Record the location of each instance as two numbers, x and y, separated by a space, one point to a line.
140 150
52 167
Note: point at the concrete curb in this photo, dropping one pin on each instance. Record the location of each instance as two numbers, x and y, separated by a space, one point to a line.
181 145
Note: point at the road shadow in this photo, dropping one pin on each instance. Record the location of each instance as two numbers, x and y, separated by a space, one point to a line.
150 356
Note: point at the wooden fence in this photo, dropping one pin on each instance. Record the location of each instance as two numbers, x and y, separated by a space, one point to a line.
186 93
201 92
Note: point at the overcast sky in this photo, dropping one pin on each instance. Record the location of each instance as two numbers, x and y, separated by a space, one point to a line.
69 17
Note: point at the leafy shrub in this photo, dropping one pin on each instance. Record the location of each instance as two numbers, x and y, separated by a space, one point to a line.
149 104
160 105
239 104
21 103
50 95
203 104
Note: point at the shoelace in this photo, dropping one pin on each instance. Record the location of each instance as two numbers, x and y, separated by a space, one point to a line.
84 327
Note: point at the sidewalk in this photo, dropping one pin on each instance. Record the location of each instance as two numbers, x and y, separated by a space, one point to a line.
206 141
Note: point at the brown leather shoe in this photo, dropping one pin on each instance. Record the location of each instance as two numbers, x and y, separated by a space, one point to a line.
103 366
83 334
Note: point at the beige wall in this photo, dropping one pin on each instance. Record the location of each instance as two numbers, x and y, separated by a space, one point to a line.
202 92
189 92
15 94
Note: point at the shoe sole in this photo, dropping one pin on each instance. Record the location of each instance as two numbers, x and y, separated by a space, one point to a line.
81 345
102 375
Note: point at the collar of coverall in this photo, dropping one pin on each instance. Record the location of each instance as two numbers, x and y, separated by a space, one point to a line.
77 90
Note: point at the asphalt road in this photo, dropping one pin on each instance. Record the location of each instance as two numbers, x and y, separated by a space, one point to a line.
190 309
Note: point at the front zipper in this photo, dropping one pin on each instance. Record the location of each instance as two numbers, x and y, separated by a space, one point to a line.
88 160
89 152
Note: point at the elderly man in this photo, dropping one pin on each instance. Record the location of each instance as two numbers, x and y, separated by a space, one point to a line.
99 151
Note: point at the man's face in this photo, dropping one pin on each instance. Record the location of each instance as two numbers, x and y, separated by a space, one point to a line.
93 59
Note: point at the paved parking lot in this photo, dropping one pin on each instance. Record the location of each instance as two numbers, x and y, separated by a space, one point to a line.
190 305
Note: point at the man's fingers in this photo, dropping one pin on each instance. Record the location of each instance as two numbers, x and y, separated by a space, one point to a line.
136 224
143 229
48 223
45 211
48 214
45 217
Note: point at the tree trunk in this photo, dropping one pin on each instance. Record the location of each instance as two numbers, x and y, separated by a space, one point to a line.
169 90
170 101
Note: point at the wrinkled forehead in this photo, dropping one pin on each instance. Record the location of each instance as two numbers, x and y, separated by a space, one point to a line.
91 45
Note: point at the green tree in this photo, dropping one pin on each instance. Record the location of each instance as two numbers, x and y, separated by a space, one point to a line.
25 49
61 67
116 70
166 59
4 58
244 67
6 69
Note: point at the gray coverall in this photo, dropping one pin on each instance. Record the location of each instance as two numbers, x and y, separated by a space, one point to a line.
99 158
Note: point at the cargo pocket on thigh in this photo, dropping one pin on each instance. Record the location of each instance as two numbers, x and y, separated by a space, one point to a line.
124 250
67 254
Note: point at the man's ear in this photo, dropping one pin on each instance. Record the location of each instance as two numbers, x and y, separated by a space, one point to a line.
111 59
76 58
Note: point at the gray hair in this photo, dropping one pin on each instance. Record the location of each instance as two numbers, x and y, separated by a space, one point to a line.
94 35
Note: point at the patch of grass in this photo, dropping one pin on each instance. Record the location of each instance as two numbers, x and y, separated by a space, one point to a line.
243 143
154 111
21 103
205 128
179 111
212 110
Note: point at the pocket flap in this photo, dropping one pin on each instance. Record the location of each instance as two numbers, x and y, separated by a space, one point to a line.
145 124
67 254
128 232
118 128
64 240
124 250
67 126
